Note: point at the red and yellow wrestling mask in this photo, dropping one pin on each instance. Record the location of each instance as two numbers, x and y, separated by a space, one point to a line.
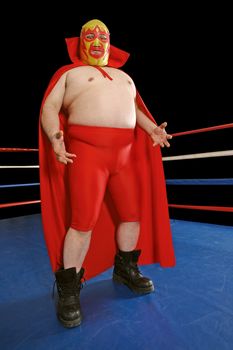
94 43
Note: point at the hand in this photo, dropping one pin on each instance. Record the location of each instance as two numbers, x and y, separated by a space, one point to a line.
160 137
59 148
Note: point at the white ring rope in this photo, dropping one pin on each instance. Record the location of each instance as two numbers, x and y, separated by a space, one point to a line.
200 155
19 166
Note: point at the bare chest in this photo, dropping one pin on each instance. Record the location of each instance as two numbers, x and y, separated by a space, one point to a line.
88 82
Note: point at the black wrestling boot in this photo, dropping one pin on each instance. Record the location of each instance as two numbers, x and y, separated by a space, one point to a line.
68 287
126 272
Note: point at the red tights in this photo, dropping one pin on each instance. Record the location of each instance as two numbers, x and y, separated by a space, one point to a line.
103 160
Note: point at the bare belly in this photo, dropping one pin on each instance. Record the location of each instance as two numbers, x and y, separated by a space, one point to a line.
110 115
102 121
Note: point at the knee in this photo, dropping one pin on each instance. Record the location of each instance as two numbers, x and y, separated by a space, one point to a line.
83 223
131 223
83 235
130 215
83 227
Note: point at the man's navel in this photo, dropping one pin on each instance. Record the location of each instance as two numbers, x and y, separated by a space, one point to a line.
90 79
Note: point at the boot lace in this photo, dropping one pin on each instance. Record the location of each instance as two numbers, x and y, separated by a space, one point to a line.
135 268
69 288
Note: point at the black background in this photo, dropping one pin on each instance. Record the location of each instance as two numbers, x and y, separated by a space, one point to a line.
181 63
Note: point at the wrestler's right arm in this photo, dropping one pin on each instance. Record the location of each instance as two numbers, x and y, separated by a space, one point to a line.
50 121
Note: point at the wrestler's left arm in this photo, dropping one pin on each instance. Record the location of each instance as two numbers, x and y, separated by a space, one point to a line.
158 134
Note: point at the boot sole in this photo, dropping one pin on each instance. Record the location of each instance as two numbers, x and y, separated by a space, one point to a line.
70 324
136 290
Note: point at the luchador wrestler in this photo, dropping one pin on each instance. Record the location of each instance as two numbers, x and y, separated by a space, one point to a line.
99 173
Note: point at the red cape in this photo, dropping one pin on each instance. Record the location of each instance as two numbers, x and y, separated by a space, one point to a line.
155 239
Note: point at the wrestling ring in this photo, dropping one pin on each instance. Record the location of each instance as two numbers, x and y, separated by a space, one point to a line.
192 307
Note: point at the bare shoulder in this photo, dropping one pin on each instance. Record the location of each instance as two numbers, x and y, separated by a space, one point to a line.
62 78
126 75
59 85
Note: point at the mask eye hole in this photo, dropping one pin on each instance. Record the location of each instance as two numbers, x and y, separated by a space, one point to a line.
103 37
90 36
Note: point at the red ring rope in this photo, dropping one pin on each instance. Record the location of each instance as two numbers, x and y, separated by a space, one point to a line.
18 149
8 205
211 128
201 207
179 206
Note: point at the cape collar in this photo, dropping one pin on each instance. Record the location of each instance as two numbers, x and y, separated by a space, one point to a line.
117 57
